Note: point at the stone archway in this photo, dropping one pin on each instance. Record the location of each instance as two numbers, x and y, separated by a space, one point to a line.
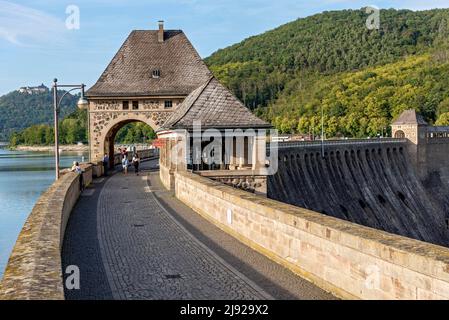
399 134
109 139
105 125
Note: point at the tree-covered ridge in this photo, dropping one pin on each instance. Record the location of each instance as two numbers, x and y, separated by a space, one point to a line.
363 103
73 129
259 68
21 110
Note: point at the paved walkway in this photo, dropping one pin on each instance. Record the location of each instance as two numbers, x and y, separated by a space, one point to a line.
131 239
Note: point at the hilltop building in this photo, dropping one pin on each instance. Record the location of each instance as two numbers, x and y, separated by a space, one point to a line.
34 90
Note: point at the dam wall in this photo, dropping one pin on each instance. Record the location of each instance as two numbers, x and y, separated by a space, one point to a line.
368 182
348 259
34 270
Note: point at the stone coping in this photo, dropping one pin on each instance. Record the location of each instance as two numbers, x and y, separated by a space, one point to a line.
34 269
425 258
228 173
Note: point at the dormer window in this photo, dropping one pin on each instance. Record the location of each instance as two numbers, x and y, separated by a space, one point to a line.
168 104
156 73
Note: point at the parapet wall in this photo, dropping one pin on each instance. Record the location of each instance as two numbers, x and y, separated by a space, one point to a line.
34 268
166 177
347 259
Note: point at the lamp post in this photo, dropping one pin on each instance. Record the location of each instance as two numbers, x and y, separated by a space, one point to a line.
322 131
82 104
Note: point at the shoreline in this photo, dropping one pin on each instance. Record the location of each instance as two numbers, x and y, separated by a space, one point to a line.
62 148
65 148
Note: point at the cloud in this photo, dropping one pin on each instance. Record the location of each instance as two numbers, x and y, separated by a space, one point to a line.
26 26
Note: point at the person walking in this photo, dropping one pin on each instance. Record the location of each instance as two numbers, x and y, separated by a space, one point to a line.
106 164
125 164
136 163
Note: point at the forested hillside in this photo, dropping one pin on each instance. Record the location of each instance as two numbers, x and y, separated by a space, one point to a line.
362 77
20 110
73 129
360 104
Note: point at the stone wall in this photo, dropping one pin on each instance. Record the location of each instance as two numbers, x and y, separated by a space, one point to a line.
347 259
34 267
247 180
167 177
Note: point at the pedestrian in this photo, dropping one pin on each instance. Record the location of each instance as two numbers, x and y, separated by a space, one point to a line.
125 164
77 169
106 164
136 163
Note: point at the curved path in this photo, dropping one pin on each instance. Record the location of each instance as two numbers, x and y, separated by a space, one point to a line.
131 239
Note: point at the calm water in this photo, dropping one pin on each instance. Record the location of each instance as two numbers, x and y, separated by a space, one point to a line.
24 176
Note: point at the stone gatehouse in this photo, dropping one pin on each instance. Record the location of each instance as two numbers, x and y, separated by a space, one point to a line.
158 78
148 78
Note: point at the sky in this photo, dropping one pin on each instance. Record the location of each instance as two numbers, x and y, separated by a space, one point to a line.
42 39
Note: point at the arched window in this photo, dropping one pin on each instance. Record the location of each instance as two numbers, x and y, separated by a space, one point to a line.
399 134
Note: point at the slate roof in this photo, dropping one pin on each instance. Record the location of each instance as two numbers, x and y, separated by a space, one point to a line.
216 107
130 73
410 117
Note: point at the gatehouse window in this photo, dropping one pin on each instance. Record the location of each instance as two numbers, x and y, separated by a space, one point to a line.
156 73
168 104
399 134
135 105
125 105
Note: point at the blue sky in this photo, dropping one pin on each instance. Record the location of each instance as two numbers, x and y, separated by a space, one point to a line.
36 46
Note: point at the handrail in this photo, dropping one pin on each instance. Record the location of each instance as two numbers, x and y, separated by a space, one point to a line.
294 144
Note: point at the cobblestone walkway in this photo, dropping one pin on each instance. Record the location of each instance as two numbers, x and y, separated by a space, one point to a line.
129 246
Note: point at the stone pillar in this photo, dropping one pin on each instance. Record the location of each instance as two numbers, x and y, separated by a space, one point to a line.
259 152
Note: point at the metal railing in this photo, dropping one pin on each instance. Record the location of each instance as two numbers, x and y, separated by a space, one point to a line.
347 142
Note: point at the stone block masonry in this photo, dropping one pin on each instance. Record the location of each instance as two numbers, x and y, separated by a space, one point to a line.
347 259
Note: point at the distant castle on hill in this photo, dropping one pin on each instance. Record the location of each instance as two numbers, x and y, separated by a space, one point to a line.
32 90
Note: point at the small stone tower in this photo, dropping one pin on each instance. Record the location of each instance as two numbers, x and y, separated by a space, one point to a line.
412 126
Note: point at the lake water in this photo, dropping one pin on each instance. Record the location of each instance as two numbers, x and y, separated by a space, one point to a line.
24 176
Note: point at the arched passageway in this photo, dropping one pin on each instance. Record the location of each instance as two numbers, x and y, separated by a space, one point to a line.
104 127
399 134
111 136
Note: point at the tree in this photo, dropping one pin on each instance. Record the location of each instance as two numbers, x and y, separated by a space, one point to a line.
443 120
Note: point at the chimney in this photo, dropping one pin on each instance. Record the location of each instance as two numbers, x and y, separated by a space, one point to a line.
160 34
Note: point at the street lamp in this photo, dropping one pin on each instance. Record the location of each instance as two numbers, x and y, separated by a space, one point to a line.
82 103
322 131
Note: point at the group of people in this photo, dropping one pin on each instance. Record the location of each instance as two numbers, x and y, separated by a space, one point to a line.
125 161
135 162
125 164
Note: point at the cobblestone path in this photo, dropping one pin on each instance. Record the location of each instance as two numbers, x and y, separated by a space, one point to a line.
128 245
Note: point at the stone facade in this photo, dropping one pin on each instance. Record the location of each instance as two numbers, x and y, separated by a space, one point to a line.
106 117
247 180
